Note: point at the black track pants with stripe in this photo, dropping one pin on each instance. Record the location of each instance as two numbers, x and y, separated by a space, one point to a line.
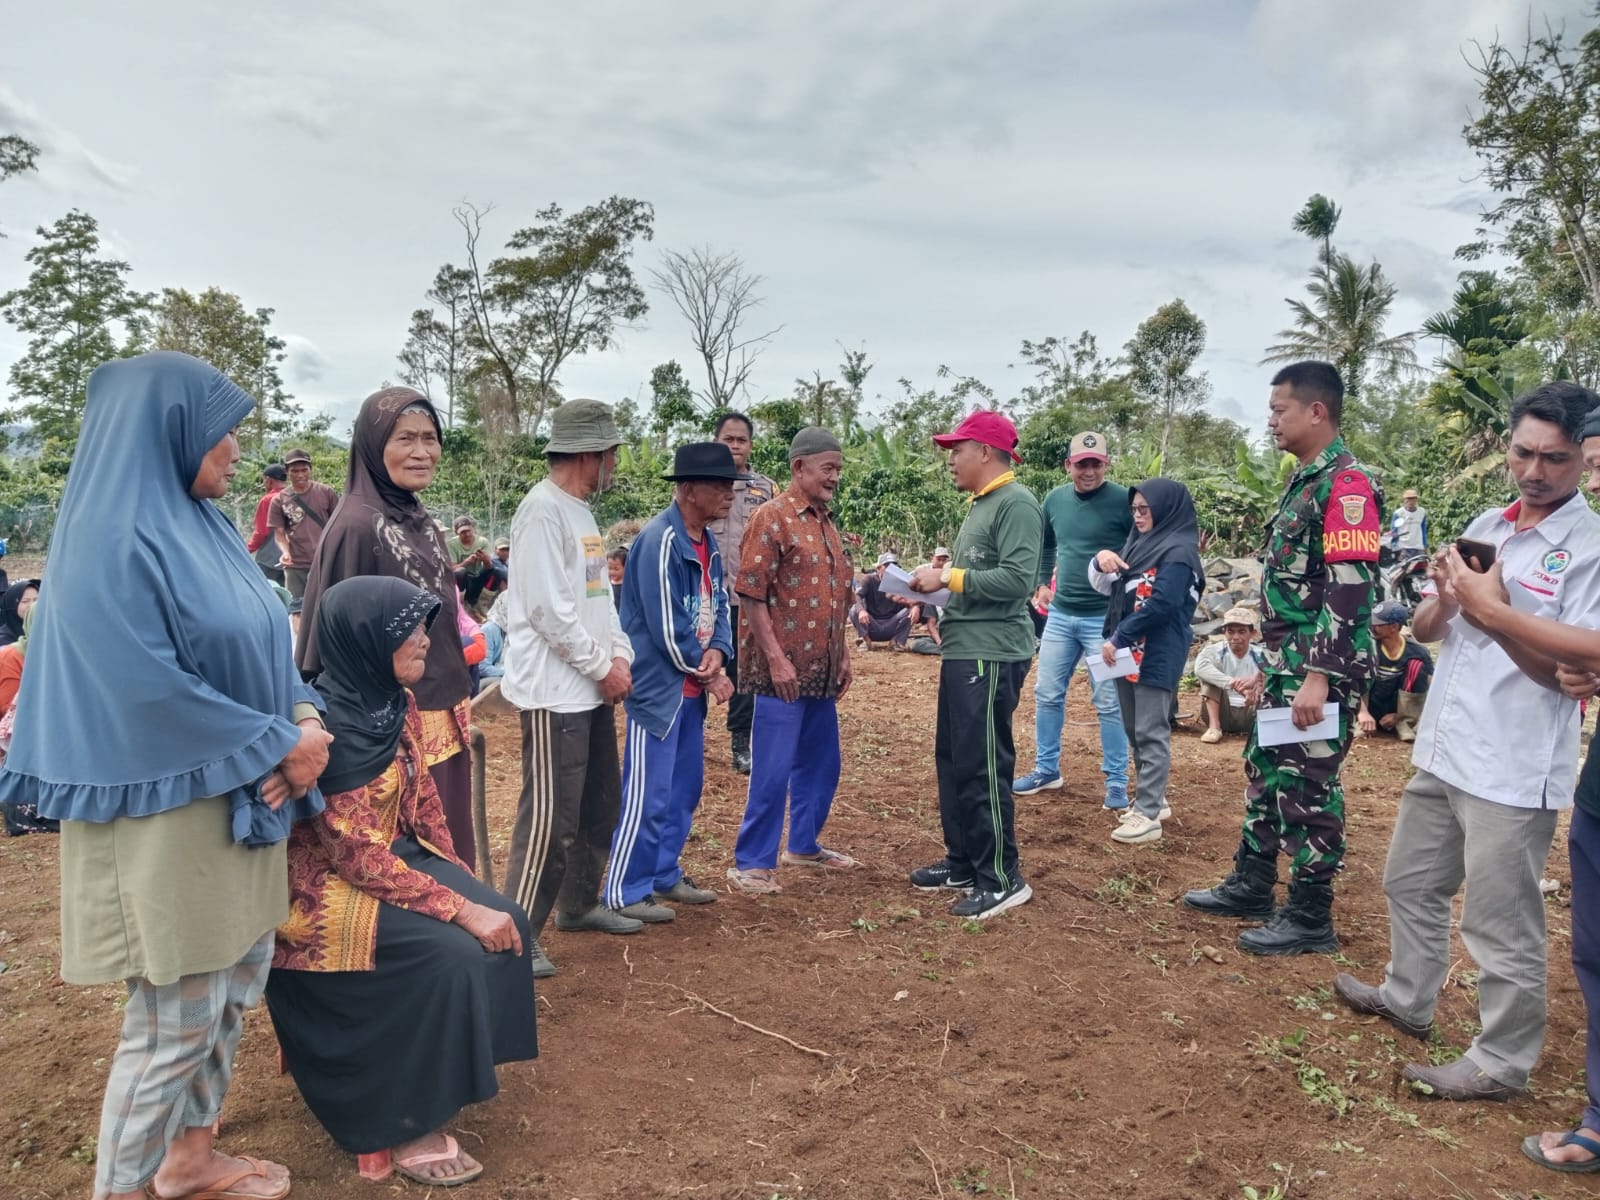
975 758
571 793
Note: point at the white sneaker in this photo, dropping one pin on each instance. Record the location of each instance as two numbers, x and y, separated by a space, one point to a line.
1211 737
1130 812
1136 830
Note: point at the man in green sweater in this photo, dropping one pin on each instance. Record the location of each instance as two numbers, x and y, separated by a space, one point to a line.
987 645
1080 520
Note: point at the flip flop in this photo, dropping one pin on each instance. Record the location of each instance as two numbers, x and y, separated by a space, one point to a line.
828 860
223 1189
1590 1166
452 1149
754 881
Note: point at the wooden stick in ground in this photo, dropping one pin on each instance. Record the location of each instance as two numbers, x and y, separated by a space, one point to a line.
704 1003
938 1188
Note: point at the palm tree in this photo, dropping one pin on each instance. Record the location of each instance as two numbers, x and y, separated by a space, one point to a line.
1477 384
1317 220
1344 323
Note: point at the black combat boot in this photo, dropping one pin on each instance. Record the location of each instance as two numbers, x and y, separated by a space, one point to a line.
1246 892
1302 926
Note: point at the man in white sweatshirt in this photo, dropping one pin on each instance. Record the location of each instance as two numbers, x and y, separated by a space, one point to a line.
1227 671
567 666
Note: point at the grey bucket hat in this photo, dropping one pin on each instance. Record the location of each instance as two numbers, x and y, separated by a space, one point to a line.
582 427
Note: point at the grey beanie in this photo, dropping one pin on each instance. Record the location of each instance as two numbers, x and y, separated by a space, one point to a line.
813 439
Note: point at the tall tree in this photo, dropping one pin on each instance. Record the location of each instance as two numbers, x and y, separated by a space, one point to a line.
1344 323
239 342
1537 134
854 371
565 289
436 342
1317 221
716 295
17 156
673 413
1161 356
79 311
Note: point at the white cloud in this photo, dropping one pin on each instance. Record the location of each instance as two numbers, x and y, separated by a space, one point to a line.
66 163
275 98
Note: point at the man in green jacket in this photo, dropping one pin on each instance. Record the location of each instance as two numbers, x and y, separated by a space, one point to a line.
987 646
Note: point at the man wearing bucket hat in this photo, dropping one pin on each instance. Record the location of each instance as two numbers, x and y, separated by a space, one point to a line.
987 647
567 663
675 613
1227 671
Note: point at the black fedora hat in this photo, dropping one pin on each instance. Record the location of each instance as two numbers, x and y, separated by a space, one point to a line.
703 460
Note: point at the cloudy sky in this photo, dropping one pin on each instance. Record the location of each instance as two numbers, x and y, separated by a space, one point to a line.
934 179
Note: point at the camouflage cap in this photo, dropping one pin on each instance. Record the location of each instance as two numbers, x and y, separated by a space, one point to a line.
582 427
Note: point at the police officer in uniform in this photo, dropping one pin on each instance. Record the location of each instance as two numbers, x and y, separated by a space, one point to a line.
1321 559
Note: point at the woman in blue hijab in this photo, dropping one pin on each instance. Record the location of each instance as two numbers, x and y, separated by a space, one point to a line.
163 723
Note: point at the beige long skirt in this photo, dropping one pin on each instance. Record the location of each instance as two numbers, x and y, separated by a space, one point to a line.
165 896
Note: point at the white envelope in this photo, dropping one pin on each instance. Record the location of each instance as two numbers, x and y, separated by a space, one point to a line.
896 582
1275 727
1125 666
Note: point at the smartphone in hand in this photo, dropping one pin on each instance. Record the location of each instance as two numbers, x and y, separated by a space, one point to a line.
1477 555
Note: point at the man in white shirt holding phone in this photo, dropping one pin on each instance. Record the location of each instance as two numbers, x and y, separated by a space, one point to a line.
1496 757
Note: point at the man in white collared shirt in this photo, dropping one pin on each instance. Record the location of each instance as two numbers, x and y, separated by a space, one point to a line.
1496 757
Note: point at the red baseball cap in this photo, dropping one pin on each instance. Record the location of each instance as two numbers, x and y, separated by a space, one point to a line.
986 426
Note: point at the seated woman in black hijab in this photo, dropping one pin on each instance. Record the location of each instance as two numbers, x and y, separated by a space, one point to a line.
399 980
14 606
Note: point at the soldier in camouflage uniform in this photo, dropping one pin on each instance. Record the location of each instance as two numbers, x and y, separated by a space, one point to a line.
1320 560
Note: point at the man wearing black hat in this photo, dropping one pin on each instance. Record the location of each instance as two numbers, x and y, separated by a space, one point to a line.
675 613
297 516
262 546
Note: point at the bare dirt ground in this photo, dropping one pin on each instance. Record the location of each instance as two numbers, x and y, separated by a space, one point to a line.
1098 1042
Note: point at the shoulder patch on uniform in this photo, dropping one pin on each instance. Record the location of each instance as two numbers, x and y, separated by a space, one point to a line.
1350 522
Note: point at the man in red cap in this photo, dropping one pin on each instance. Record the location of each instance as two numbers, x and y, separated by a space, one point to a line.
987 646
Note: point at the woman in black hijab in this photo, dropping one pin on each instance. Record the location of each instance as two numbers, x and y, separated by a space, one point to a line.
14 605
381 528
1154 585
399 980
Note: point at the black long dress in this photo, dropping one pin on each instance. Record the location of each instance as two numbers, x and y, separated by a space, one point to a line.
385 1056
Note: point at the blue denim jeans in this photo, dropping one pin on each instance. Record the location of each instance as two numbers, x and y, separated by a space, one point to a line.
1068 639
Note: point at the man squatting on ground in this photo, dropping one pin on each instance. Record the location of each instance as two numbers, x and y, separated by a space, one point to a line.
1228 675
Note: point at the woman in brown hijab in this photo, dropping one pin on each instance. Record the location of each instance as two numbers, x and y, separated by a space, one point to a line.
381 528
